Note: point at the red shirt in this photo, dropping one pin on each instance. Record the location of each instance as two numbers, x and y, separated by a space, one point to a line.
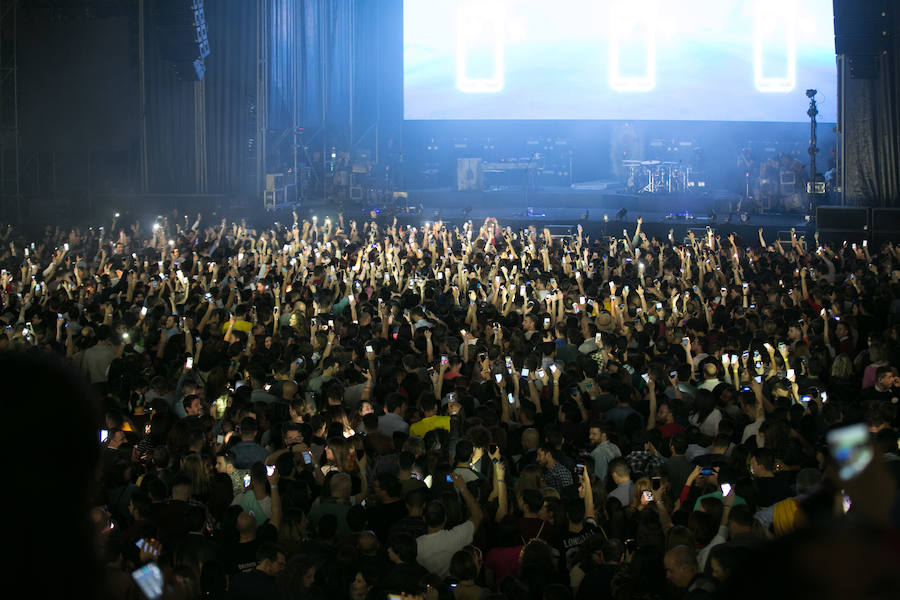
670 429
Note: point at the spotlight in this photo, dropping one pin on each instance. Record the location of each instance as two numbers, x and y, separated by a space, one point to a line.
745 217
606 218
621 214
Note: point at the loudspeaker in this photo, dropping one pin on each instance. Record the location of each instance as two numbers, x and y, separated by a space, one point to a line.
886 220
183 36
837 224
862 34
842 218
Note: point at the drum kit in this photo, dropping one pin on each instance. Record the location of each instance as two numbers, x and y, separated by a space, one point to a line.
657 177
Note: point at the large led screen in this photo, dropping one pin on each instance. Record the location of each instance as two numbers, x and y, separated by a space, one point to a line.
709 60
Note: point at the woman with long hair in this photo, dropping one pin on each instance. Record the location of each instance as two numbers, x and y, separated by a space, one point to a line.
199 472
465 570
338 455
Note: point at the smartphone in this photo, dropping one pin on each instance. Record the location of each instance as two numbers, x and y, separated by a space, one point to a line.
181 322
143 311
525 372
370 349
647 496
508 362
448 478
270 470
553 368
824 396
707 471
498 377
247 480
659 306
546 322
510 398
579 470
598 339
645 377
189 363
307 457
149 579
790 374
726 489
220 439
685 341
656 482
758 379
444 360
805 398
540 373
851 448
673 374
104 436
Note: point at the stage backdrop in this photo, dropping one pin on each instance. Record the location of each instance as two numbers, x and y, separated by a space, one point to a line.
711 60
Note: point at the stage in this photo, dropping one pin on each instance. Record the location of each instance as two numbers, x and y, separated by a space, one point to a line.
597 210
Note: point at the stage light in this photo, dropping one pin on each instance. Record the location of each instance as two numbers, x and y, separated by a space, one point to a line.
621 214
745 217
586 215
606 218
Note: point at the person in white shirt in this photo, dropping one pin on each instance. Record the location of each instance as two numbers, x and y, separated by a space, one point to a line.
437 547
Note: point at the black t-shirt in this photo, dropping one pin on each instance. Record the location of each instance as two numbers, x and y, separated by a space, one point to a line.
569 544
254 585
240 557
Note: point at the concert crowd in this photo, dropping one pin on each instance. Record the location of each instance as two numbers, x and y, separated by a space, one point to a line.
362 410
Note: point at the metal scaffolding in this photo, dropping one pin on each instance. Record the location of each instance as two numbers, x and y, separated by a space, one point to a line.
10 151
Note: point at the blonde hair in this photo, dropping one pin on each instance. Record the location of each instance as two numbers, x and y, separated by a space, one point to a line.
640 486
842 367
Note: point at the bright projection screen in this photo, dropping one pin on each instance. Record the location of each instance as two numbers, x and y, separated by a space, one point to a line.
686 60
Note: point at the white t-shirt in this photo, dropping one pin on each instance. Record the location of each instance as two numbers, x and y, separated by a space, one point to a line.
436 549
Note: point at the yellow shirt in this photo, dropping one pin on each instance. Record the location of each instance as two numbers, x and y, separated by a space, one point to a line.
239 325
427 424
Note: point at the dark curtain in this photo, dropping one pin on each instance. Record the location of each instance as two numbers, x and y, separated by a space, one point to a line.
283 54
338 39
230 95
230 90
311 46
872 132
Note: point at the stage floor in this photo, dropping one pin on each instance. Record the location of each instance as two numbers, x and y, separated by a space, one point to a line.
597 210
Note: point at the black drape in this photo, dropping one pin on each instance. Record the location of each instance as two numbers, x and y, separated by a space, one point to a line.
229 102
872 131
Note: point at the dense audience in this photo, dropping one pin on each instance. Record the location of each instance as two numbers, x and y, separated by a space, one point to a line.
362 410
